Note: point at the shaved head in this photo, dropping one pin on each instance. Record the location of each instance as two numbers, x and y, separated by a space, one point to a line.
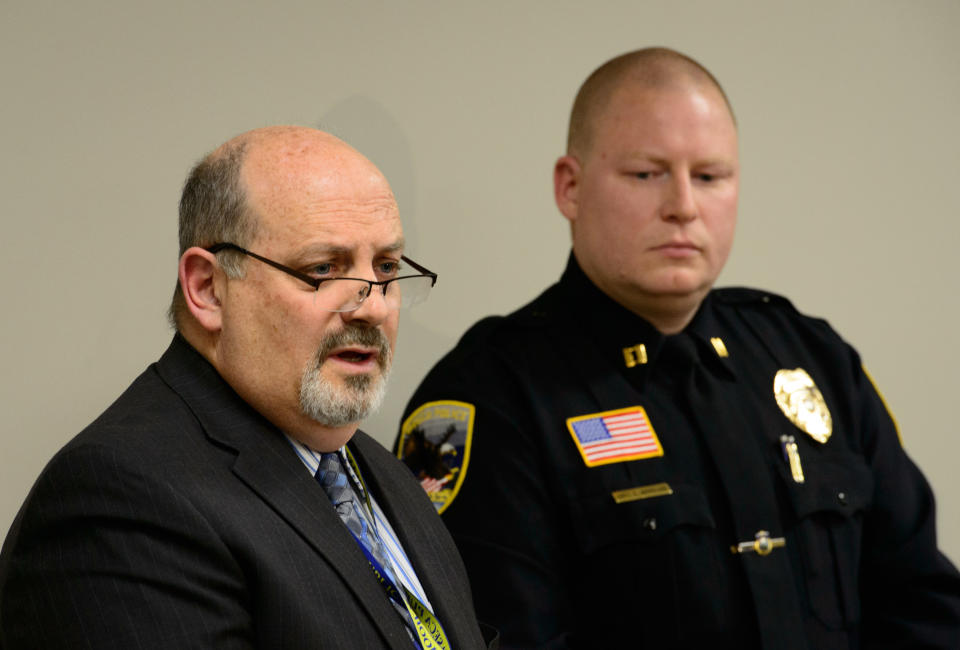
653 67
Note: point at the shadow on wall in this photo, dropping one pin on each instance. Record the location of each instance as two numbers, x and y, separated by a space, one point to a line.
371 129
418 348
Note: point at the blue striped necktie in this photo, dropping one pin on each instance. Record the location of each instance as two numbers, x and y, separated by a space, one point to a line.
335 482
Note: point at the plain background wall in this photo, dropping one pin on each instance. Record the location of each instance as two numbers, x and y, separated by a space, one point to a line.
849 145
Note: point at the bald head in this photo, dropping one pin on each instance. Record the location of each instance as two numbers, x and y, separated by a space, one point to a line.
287 169
657 68
226 193
299 207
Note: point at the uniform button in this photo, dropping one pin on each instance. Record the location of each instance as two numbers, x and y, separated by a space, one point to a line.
842 497
650 523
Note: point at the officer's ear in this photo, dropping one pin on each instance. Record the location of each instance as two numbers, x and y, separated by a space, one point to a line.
202 283
566 186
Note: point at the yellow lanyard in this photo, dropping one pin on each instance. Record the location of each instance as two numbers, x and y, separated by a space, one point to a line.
430 633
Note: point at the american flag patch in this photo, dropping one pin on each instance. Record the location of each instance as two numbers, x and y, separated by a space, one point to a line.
614 436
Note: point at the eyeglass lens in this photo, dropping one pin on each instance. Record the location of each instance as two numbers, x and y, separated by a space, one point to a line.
345 294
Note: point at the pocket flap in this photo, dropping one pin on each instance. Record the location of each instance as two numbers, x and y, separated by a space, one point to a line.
840 484
600 521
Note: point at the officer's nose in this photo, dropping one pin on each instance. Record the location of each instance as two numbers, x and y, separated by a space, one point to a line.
679 203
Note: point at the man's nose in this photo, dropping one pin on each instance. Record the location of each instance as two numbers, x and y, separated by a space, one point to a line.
373 310
679 204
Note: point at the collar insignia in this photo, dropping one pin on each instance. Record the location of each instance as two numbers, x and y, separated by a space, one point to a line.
718 345
635 355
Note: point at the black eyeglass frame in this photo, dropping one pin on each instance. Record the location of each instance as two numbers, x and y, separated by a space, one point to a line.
316 282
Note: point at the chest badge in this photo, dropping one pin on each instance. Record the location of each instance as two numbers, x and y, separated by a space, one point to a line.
435 443
614 436
803 404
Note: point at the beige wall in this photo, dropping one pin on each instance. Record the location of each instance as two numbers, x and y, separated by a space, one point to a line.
850 149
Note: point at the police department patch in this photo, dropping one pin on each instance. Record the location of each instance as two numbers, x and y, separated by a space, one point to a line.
614 436
435 445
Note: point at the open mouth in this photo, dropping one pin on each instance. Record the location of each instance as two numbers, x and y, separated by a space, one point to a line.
355 349
353 356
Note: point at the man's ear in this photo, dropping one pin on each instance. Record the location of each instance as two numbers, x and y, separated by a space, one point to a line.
198 274
566 186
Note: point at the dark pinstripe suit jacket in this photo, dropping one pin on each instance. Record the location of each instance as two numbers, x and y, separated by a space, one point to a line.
183 519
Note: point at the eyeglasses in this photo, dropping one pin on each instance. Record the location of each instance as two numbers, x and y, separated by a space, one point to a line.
347 294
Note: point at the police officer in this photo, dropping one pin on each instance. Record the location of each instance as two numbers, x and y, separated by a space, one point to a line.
638 460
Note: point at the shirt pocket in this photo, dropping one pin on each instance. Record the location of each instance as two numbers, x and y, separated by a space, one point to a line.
640 557
602 522
829 507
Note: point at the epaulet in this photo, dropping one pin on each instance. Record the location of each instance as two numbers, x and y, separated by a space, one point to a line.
536 314
745 296
481 330
768 313
539 312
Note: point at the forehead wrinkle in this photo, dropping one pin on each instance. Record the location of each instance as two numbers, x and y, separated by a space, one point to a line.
322 248
308 206
383 207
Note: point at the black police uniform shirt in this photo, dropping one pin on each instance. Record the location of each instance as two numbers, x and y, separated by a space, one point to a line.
730 526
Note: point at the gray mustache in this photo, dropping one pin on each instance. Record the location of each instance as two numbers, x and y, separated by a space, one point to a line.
354 335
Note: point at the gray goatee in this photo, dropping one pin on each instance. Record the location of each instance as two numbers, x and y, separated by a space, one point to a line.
338 402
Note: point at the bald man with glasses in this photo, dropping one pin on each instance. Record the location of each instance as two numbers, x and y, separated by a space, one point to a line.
227 498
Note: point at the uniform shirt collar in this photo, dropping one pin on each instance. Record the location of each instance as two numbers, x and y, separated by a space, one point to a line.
628 340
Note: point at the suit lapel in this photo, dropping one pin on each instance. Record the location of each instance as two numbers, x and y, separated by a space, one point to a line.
267 464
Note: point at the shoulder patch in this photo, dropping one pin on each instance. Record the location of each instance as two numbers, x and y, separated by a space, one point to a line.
435 444
614 436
